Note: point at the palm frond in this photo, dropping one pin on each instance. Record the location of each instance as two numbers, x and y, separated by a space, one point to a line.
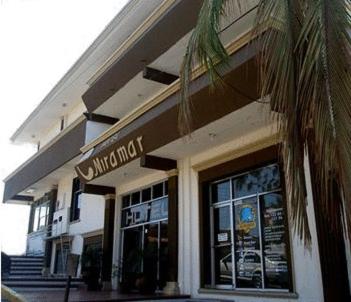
325 94
279 71
205 49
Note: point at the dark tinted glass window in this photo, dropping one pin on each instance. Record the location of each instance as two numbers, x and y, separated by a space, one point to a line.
274 241
157 191
247 244
221 191
135 198
261 180
223 265
76 199
222 225
146 195
126 201
256 256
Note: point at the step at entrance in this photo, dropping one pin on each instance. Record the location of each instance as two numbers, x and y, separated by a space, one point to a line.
26 275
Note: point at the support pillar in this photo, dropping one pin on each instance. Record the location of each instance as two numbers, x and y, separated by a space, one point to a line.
107 243
172 287
48 243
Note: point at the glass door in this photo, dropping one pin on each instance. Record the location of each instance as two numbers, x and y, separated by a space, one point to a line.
145 250
132 254
150 252
144 228
163 254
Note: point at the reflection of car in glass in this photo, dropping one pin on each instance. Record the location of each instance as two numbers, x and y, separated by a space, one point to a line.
226 267
249 267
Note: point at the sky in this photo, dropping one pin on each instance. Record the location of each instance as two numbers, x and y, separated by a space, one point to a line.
39 41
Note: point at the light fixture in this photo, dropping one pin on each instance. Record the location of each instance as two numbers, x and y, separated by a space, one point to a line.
31 190
212 136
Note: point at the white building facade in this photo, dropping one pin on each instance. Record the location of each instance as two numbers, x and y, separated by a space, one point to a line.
204 215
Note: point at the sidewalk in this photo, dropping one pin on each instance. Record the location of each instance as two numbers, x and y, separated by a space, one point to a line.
100 296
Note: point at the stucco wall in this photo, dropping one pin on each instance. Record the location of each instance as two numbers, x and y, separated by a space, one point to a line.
54 129
91 219
91 214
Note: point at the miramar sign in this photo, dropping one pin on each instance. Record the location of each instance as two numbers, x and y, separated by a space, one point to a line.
112 159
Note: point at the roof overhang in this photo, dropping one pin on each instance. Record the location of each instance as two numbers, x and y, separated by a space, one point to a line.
158 126
62 150
155 40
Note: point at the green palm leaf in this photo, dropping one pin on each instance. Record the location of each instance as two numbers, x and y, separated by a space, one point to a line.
279 69
204 48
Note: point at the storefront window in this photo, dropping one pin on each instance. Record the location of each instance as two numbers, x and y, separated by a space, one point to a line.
248 229
274 241
220 191
145 235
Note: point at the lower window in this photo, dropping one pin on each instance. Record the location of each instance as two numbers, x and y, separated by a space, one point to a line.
248 233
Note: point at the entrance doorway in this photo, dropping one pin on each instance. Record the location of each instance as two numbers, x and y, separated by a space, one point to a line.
145 235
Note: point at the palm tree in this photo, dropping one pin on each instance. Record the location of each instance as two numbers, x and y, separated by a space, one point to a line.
304 66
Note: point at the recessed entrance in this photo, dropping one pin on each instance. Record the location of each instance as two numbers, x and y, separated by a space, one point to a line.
145 236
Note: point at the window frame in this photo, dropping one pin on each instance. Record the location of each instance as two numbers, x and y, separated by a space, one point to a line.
75 200
37 219
220 173
127 204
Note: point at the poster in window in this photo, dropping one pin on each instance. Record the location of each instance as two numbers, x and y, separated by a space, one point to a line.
275 250
247 244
